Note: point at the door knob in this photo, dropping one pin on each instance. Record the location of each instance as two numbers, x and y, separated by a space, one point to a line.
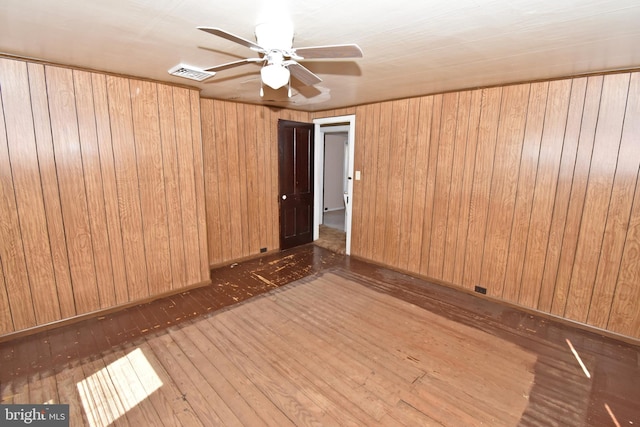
284 197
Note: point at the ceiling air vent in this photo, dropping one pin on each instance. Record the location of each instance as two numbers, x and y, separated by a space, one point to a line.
189 72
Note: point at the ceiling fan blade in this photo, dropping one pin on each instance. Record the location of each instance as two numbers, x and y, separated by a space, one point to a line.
233 64
332 51
303 74
232 37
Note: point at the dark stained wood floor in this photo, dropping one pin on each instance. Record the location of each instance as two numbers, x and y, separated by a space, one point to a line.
558 391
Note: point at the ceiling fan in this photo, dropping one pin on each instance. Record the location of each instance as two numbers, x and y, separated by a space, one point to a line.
274 41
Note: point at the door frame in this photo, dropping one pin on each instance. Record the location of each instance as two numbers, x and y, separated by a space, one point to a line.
350 122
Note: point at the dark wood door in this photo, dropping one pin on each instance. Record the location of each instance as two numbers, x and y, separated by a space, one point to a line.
295 158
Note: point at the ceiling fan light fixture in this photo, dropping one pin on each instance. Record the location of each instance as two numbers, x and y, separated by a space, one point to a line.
275 75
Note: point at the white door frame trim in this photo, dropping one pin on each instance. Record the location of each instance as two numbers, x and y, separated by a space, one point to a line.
319 132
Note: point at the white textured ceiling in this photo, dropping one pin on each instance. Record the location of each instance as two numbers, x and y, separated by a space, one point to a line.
411 47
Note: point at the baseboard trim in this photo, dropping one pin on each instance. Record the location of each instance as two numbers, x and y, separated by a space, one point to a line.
97 313
243 259
549 316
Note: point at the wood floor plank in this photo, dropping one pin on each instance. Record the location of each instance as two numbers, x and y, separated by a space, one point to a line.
6 396
407 415
128 385
139 365
43 389
201 334
293 400
173 360
356 333
464 361
343 376
430 342
20 391
352 360
224 394
468 376
334 393
67 380
173 397
94 385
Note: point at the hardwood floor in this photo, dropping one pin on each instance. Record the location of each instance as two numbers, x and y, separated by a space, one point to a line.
310 337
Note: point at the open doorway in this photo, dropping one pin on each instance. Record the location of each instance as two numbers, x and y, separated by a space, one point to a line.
334 149
335 179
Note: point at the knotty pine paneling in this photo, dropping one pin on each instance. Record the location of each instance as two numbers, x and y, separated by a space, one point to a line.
91 169
240 157
528 190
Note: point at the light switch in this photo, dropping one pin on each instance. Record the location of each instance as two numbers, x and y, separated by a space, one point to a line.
357 175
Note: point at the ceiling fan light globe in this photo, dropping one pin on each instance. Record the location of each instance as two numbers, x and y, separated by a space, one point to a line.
275 76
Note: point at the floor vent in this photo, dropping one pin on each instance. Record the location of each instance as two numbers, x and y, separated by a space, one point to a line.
189 72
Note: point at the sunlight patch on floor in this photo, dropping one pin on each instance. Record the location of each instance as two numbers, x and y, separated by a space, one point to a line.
117 388
577 356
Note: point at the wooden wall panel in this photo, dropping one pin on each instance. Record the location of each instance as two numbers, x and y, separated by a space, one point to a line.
544 193
82 165
408 179
620 204
369 177
188 174
50 191
11 246
73 194
485 153
240 155
468 169
6 322
382 185
597 198
578 190
109 187
431 164
217 158
454 220
444 166
528 190
198 176
235 238
126 168
171 176
357 235
563 193
153 204
524 196
267 168
20 137
504 184
424 115
395 180
88 139
624 316
243 196
253 202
